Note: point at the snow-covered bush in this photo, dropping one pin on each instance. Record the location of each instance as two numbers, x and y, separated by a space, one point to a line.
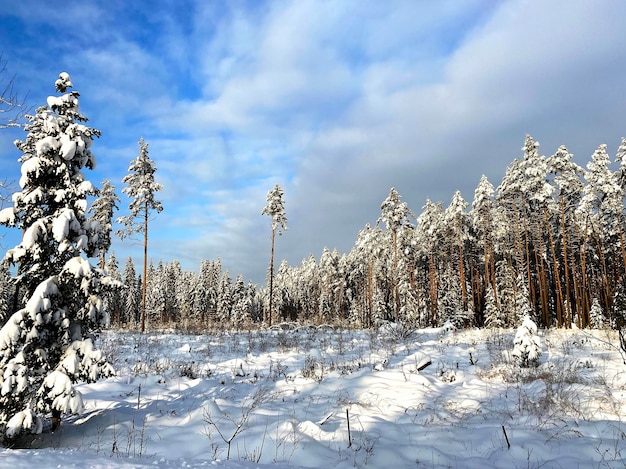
527 345
47 346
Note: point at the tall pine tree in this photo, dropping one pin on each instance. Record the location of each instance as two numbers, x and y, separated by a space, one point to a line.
141 188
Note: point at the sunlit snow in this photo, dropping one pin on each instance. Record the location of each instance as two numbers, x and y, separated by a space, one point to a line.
444 398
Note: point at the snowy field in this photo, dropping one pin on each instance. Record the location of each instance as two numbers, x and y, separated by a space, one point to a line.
330 398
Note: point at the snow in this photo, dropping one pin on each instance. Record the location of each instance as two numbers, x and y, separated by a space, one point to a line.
63 223
178 399
7 216
44 146
68 147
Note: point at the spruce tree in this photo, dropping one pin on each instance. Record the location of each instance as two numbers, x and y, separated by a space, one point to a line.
46 346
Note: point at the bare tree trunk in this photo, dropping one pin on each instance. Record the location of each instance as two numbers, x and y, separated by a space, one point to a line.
145 270
557 273
461 266
568 307
271 279
432 277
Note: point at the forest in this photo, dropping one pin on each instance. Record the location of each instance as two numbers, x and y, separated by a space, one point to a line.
545 248
547 242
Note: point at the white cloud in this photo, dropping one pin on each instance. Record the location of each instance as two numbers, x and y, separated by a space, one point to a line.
337 102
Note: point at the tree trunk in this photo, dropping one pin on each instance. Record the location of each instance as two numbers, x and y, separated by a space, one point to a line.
271 278
145 270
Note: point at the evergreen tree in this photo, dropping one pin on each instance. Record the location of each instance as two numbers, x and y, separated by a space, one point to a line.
569 189
429 233
113 299
141 188
102 209
241 304
131 294
46 347
482 221
527 345
493 314
601 210
596 315
225 300
456 222
395 214
275 208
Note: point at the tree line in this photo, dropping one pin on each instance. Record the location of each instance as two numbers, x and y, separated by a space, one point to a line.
547 242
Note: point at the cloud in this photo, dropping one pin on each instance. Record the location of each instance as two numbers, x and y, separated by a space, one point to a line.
335 101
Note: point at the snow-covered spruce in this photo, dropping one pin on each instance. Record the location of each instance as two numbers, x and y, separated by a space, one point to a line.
527 345
46 346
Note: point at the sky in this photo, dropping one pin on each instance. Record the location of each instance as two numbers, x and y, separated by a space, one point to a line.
337 101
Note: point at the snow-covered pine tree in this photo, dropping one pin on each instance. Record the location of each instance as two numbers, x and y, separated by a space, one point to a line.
186 288
102 210
395 214
527 344
506 290
114 299
456 223
47 346
482 220
225 300
141 188
241 304
601 212
275 208
428 235
131 296
493 314
569 189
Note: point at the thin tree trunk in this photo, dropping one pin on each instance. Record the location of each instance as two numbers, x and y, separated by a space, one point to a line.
567 312
145 270
461 266
433 288
557 273
271 278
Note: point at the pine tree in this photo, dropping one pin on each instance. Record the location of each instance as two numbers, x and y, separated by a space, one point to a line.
395 214
275 208
569 192
131 295
102 209
141 188
225 300
482 221
493 314
596 315
428 236
113 299
46 347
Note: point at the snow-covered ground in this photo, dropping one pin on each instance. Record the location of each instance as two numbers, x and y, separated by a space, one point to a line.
337 399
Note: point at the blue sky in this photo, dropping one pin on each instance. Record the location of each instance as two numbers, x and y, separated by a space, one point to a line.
336 101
